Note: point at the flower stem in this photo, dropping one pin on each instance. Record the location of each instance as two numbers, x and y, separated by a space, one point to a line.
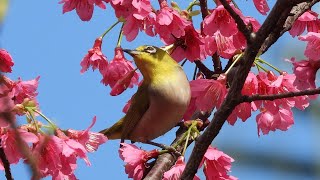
31 116
270 65
47 119
233 63
260 67
120 36
191 127
111 27
192 4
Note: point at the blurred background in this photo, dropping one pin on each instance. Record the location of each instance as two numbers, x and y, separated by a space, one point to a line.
43 41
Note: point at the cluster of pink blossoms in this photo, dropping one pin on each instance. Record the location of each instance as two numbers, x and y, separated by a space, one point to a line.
218 35
216 164
55 154
119 73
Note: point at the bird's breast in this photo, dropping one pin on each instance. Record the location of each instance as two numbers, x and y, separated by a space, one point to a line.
169 100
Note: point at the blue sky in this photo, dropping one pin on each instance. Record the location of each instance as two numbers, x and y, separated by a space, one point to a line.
44 42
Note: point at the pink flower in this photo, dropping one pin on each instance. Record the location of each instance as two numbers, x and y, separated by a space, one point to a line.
122 84
308 20
272 84
10 146
135 159
243 110
313 47
48 152
217 164
71 147
84 8
89 140
239 41
138 15
25 89
210 45
175 172
117 68
220 19
57 155
6 61
226 45
94 58
305 71
208 93
188 46
270 121
262 6
170 24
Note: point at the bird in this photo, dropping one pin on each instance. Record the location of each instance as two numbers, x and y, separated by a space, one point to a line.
160 101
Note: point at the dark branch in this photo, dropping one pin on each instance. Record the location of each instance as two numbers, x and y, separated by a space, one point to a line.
165 161
232 99
286 24
204 8
216 64
241 25
5 163
207 72
279 96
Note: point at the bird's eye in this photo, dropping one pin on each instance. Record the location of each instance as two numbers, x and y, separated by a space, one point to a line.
150 49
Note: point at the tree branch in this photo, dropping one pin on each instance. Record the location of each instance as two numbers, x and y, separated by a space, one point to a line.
165 161
232 99
279 96
207 72
296 11
5 163
241 25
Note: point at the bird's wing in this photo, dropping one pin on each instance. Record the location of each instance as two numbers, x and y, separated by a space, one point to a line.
139 105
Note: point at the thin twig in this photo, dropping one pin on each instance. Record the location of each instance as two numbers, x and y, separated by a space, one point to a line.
272 97
5 162
207 72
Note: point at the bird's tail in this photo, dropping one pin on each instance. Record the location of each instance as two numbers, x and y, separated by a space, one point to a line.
115 131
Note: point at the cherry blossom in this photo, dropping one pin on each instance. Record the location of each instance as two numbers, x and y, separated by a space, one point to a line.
169 20
209 93
305 71
308 20
262 6
135 160
10 145
6 61
94 58
84 8
281 119
175 172
313 47
89 140
117 69
188 46
220 19
243 110
24 89
217 164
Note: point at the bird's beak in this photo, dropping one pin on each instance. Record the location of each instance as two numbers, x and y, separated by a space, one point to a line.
131 52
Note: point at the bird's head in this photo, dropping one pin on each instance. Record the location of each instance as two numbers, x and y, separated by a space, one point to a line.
151 60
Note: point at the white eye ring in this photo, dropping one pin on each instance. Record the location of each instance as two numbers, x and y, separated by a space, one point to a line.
150 49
